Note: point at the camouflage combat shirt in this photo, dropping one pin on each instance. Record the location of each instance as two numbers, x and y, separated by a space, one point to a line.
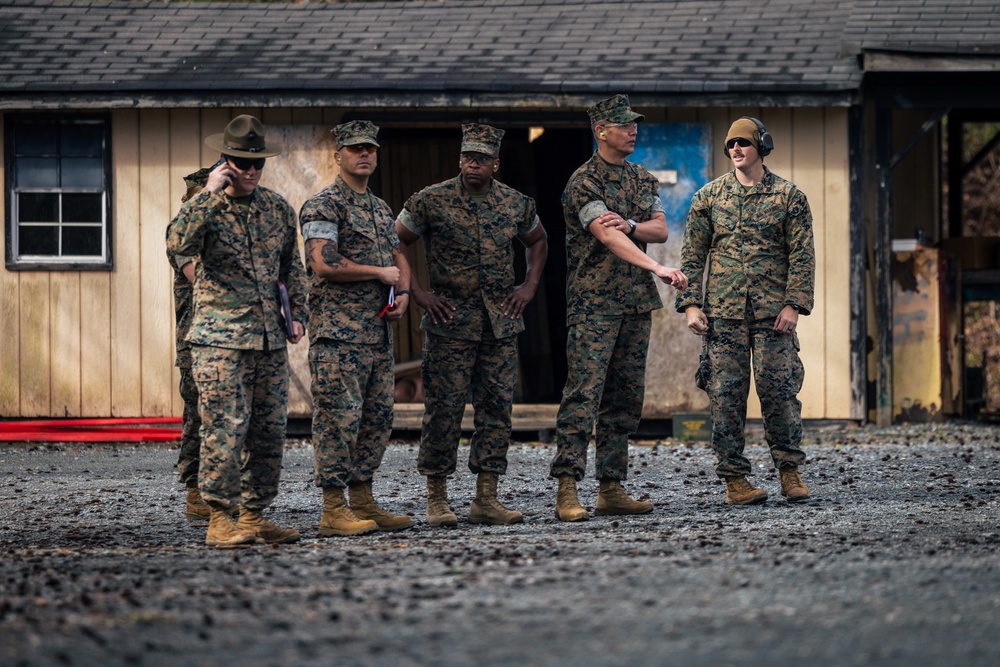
758 243
365 233
470 255
183 288
598 282
241 254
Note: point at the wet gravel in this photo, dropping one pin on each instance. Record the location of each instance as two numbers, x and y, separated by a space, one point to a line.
894 562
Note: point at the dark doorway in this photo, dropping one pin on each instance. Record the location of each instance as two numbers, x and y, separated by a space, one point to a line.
413 158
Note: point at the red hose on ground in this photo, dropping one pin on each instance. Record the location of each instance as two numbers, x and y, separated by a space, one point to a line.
129 429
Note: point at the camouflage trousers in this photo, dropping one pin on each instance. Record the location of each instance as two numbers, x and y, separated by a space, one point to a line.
243 402
187 460
450 369
352 390
730 346
605 383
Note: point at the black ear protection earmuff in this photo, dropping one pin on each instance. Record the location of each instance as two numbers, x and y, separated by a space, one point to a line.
764 139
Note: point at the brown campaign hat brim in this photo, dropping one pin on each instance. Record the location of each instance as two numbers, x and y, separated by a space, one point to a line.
218 142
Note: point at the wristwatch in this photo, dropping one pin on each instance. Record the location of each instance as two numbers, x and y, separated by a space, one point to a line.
631 227
794 306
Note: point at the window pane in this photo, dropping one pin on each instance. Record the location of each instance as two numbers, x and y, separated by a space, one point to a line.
82 207
82 139
38 241
36 172
37 207
35 138
81 240
82 172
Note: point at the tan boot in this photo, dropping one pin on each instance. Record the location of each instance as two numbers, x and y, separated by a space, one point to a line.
196 509
338 519
224 533
486 508
438 511
741 492
364 507
252 521
612 500
792 486
568 507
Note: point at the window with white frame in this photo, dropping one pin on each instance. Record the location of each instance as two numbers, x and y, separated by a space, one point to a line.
58 186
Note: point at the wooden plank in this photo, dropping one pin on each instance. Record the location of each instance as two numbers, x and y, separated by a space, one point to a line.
95 343
10 365
837 273
126 306
155 276
807 172
185 148
524 417
213 121
857 289
883 268
64 287
35 362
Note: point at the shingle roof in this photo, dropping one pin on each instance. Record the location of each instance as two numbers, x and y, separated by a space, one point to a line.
501 47
951 27
549 46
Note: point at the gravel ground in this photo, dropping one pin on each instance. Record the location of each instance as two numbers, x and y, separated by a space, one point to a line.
894 562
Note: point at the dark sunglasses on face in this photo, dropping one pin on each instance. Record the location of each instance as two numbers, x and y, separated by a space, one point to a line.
244 163
740 141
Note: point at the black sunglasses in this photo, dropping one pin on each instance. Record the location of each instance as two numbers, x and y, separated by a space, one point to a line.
244 163
743 143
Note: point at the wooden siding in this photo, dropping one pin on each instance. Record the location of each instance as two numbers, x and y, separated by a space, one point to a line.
97 344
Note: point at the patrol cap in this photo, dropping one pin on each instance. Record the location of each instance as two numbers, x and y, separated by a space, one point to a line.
614 109
744 128
478 138
355 132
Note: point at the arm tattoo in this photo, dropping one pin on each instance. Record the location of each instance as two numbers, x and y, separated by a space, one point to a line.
331 257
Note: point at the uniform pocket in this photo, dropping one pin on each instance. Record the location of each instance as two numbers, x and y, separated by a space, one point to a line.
702 375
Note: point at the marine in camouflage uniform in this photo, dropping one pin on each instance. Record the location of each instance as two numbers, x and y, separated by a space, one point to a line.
187 460
245 239
353 261
612 211
753 229
473 313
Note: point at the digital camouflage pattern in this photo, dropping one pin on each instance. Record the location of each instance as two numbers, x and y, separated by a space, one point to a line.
352 409
451 368
478 138
606 362
243 400
470 256
598 282
778 372
609 304
350 355
242 254
364 233
355 132
758 244
187 459
240 363
614 109
761 243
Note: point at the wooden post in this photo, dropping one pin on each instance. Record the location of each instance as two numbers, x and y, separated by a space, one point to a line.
857 252
883 266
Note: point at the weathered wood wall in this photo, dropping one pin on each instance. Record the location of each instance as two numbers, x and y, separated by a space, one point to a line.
97 344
